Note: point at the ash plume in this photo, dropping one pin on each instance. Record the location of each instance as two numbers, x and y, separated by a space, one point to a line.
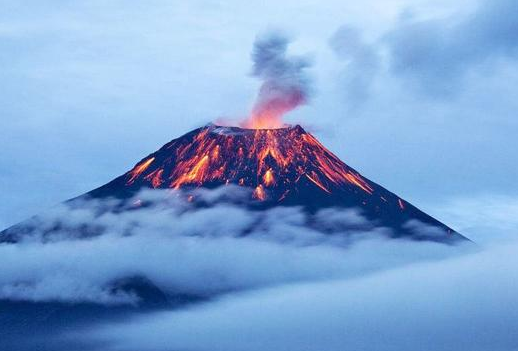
285 84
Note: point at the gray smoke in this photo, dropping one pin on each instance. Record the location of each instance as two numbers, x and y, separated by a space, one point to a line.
285 84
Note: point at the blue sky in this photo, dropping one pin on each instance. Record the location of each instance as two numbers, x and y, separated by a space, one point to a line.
419 96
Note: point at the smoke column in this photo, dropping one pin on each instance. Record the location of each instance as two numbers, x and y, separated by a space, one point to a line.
285 85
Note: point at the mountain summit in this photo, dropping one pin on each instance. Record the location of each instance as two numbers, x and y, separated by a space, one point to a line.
279 164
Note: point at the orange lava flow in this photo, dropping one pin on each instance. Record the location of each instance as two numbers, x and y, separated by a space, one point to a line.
139 169
268 178
155 177
259 193
359 182
195 174
317 183
270 161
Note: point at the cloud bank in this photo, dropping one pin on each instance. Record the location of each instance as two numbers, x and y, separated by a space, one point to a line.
79 251
466 303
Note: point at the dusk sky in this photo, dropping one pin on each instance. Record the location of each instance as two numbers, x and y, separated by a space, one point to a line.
419 96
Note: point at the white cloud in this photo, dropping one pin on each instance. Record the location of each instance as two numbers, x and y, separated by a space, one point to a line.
466 303
79 251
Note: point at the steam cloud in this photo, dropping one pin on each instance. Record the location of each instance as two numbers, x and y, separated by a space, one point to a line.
285 84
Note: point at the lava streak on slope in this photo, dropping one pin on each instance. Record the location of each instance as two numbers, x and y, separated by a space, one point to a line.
139 169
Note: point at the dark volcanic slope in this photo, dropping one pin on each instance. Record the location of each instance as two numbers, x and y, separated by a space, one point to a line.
286 166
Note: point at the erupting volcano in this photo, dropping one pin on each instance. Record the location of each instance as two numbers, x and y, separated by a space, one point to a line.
281 167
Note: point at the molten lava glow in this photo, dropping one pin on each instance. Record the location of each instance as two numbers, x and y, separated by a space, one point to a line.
139 169
268 178
268 114
315 180
278 159
264 120
355 179
259 193
155 177
196 174
401 204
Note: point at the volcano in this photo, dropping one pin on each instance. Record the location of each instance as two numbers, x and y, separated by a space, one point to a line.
281 167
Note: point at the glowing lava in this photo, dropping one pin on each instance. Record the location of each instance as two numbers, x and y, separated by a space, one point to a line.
268 114
268 178
269 119
275 163
137 171
259 193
